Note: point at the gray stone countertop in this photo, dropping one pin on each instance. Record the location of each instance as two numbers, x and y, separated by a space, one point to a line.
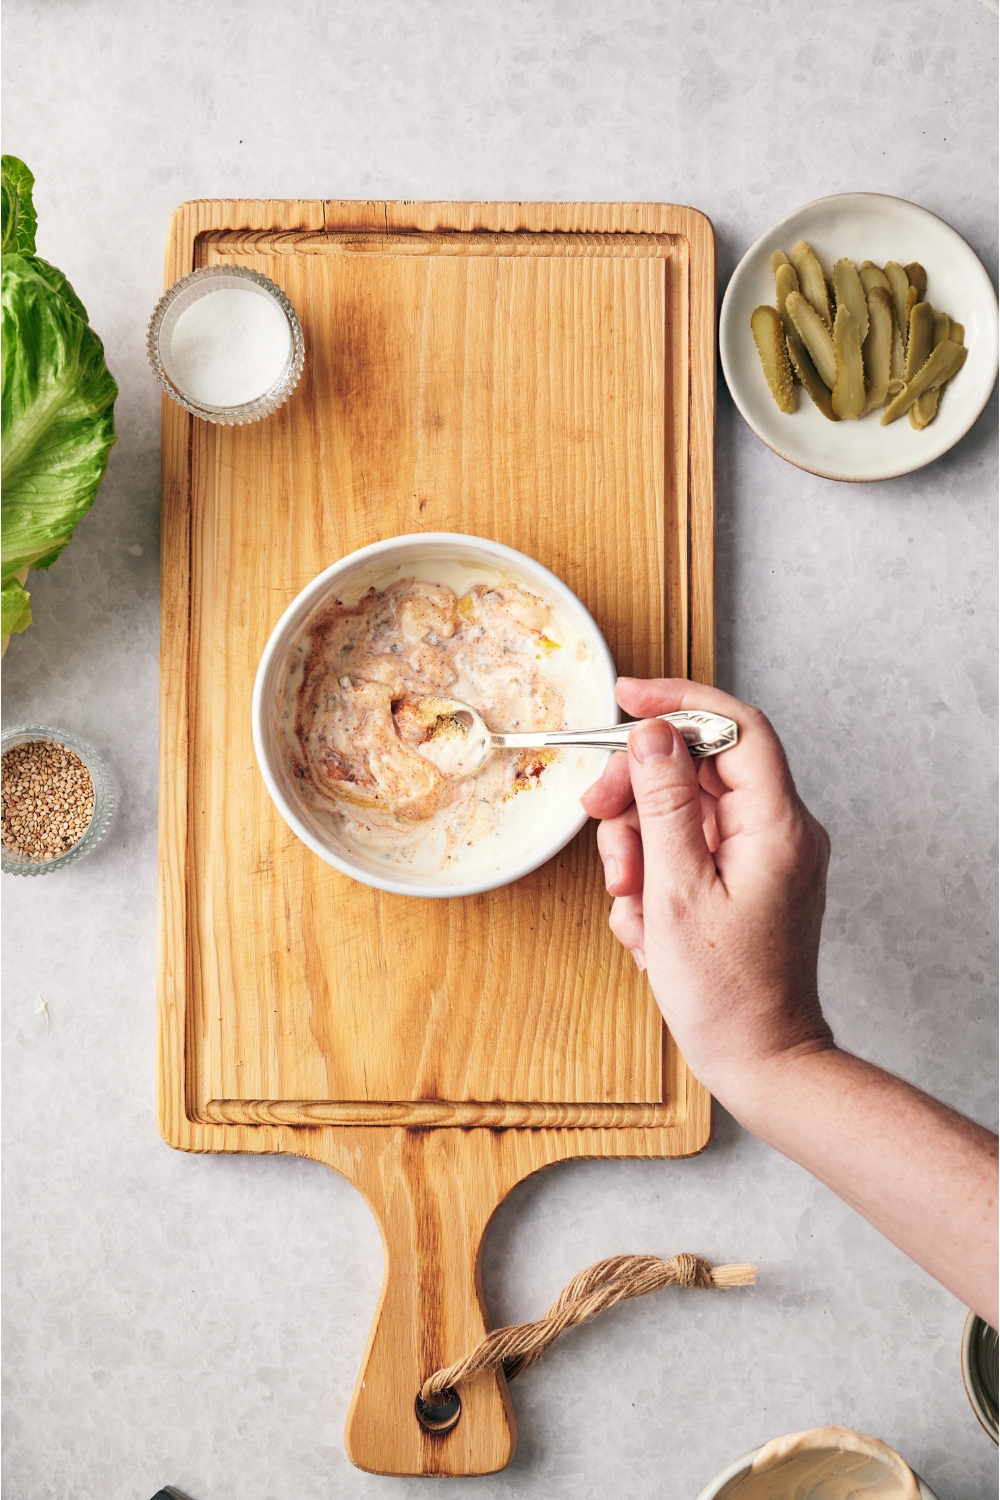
199 1320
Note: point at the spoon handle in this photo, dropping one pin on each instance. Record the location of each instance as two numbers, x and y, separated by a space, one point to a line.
703 733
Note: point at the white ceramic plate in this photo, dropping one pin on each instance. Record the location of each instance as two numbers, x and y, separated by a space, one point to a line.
863 226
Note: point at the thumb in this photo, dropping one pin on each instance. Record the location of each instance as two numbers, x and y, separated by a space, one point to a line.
665 786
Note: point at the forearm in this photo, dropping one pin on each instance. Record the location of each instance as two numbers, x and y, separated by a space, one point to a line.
718 873
922 1174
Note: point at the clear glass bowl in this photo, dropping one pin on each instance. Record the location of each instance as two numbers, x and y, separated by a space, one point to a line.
180 297
104 798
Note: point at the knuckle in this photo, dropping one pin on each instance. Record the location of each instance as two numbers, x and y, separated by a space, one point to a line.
617 921
609 833
617 838
663 798
807 845
605 837
757 721
814 835
625 922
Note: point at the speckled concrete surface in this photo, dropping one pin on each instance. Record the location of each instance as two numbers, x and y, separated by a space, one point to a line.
199 1321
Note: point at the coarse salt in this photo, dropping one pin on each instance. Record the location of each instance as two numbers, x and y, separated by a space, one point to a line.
229 347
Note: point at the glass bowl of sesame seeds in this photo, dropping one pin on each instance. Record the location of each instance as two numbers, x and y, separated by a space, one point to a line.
56 799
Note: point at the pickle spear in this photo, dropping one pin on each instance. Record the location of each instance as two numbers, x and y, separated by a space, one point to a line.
785 283
815 335
919 342
812 282
809 376
945 361
917 277
851 294
924 409
898 285
872 276
878 346
942 330
957 332
779 258
849 390
769 336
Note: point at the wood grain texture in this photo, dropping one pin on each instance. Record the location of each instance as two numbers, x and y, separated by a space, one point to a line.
538 373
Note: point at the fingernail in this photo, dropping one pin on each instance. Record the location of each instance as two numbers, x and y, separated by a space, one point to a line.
610 872
651 742
640 959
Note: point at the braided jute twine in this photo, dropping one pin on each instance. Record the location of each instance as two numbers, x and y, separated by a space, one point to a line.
613 1280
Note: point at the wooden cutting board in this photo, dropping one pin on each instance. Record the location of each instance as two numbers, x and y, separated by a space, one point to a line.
538 373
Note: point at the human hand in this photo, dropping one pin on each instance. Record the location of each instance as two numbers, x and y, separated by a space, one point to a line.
718 871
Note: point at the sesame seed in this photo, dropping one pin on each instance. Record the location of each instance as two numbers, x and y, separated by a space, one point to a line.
46 800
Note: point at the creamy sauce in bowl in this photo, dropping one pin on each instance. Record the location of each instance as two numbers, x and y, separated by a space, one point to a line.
369 772
828 1463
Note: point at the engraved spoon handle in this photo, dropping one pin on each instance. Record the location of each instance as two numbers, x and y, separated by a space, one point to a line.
703 733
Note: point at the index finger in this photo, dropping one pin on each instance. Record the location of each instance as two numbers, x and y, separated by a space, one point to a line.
757 763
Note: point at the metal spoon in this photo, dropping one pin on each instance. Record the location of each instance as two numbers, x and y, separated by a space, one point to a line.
461 743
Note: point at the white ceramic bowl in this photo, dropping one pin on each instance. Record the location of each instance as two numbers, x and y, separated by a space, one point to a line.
557 814
863 226
739 1468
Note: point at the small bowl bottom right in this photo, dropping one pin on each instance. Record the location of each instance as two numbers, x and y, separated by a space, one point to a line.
723 1486
979 1371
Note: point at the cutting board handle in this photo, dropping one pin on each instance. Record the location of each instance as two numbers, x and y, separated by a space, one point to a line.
433 1193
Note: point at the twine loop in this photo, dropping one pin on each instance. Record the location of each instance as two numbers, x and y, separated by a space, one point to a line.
518 1347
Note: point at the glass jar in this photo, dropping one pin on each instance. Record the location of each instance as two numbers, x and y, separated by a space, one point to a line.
979 1371
13 863
191 289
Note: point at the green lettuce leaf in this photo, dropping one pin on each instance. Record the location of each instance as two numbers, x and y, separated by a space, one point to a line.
57 414
57 404
18 219
16 611
57 281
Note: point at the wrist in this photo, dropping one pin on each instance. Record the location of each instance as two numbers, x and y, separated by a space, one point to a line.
758 1090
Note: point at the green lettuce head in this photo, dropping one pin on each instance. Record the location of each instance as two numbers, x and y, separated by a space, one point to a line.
57 405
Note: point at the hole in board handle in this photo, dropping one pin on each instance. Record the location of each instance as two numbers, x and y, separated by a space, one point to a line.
440 1417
